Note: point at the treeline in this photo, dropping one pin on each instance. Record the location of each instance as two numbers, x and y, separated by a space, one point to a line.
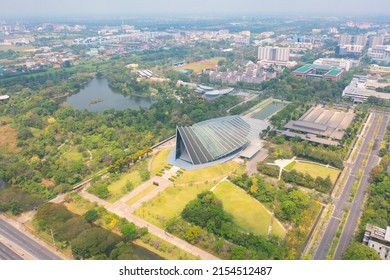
307 181
304 90
353 129
292 111
377 208
319 153
120 164
86 240
206 211
297 178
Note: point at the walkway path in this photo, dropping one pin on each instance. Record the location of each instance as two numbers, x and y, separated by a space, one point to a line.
145 185
124 210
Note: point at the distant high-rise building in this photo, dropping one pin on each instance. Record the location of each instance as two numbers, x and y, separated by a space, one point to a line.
346 39
376 41
360 40
274 54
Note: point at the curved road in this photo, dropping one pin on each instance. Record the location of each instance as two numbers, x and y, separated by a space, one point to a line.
24 242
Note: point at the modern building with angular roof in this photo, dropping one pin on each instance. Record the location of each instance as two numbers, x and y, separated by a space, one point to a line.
211 140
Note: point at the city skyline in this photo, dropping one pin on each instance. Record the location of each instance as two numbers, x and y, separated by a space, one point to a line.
23 8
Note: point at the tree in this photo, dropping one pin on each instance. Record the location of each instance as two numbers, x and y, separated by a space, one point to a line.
357 251
254 187
382 152
193 233
129 231
91 215
24 134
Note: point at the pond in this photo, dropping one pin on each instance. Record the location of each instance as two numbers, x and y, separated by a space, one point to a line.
97 96
268 111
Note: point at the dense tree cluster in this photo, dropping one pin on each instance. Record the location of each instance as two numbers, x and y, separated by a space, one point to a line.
319 153
307 181
87 241
304 90
292 111
377 210
207 212
357 251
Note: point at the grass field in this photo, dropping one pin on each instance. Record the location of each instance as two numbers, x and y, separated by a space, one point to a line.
206 174
137 197
199 66
169 203
159 161
316 170
291 165
73 154
249 214
77 204
116 188
8 138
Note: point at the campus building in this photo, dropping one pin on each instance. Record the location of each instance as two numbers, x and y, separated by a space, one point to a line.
211 140
342 63
361 88
378 239
379 54
330 73
320 125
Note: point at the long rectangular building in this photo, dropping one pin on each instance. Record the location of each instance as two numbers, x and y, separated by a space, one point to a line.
320 125
330 73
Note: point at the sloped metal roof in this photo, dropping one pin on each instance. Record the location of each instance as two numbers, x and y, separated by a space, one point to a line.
213 139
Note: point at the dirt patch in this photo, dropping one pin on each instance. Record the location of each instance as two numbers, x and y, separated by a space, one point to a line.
8 138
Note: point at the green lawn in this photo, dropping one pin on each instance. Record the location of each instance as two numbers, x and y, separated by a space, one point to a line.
169 203
316 170
291 165
73 154
116 188
207 173
249 214
137 197
159 161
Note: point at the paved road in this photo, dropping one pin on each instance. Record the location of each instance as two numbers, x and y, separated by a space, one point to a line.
25 243
342 201
357 205
7 254
123 210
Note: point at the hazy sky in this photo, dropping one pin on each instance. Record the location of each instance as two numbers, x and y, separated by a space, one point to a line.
209 7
